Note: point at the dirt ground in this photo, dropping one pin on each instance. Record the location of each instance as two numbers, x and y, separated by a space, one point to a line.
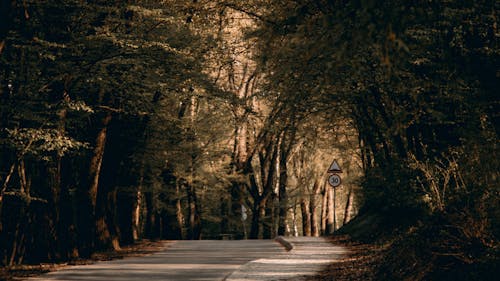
20 272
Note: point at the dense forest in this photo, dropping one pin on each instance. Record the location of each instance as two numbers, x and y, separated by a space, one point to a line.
198 119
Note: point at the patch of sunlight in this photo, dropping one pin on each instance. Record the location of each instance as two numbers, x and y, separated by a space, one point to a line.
163 266
294 261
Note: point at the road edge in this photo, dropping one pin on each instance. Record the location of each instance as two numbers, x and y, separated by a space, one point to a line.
286 244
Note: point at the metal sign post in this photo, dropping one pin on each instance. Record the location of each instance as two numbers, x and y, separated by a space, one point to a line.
334 180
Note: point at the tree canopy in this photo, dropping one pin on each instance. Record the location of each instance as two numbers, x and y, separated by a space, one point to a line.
127 120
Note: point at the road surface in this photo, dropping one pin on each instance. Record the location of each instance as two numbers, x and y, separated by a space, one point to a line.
229 260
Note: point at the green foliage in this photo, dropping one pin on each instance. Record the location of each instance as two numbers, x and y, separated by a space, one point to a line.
419 81
394 191
72 72
43 143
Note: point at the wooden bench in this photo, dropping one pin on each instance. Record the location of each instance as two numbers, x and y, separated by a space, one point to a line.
226 236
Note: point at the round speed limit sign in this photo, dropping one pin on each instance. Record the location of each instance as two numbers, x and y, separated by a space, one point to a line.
334 180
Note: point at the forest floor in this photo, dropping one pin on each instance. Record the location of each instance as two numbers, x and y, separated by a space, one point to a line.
142 248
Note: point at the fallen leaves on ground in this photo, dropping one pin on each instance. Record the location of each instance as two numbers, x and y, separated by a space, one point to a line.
359 264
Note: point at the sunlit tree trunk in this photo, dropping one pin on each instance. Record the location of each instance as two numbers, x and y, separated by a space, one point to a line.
294 219
192 196
330 222
136 214
324 209
315 216
268 165
178 211
349 206
306 216
240 155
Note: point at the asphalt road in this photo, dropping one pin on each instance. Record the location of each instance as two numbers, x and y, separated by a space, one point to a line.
209 260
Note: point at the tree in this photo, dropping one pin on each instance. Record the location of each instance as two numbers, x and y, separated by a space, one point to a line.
406 75
101 70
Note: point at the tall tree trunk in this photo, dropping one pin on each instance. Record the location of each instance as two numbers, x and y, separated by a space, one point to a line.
270 229
235 224
239 162
283 196
324 210
17 242
258 214
194 219
349 206
128 213
15 212
52 218
96 161
137 206
17 223
136 215
331 212
268 167
150 231
254 228
315 224
107 234
275 216
62 178
294 230
194 215
306 216
67 235
224 214
178 211
262 215
87 198
106 229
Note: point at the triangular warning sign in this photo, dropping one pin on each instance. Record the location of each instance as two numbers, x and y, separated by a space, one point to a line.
334 167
